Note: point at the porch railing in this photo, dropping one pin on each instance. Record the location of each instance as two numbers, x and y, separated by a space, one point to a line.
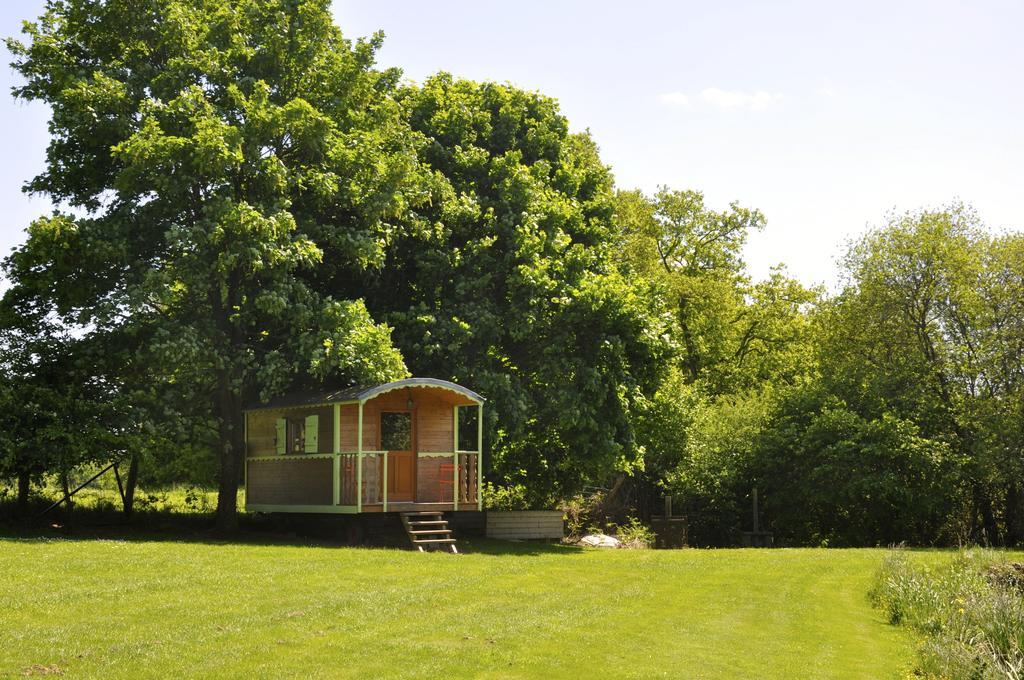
448 477
441 478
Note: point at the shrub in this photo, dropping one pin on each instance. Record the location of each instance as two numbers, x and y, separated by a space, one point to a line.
581 514
970 610
512 497
634 534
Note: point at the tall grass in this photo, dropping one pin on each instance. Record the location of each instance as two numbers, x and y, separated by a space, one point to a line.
101 498
970 611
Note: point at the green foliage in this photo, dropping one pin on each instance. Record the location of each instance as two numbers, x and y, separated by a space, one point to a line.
214 151
634 534
56 410
973 622
929 329
713 478
829 476
505 281
506 497
249 205
100 501
734 334
739 340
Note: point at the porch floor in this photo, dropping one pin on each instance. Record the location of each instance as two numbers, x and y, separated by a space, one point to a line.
412 506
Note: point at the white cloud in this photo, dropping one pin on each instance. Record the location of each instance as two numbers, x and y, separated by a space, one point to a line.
827 89
756 100
676 100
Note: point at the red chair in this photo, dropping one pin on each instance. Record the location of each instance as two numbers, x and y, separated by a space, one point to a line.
445 473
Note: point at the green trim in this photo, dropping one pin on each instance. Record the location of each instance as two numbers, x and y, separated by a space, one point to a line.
300 407
455 457
336 480
359 460
336 447
329 509
303 407
291 457
337 429
245 466
480 457
433 454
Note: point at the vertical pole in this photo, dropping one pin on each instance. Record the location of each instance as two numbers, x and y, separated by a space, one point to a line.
336 467
756 527
455 448
245 465
455 429
480 457
385 482
359 460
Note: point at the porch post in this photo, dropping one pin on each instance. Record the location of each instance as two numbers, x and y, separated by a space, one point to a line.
385 484
480 457
359 460
455 455
245 466
336 484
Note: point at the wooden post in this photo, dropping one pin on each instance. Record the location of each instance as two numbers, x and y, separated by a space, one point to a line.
455 448
245 463
120 486
479 457
455 481
129 485
336 448
756 527
359 460
384 484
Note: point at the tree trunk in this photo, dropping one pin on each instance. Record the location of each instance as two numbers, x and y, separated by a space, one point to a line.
129 486
65 486
983 503
1013 517
23 488
232 447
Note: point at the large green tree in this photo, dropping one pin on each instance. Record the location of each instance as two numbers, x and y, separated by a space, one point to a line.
506 281
209 151
928 329
739 340
56 410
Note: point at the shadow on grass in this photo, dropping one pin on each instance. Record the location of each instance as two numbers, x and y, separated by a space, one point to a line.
171 527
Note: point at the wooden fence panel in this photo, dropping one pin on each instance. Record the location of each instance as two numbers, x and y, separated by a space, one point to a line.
525 524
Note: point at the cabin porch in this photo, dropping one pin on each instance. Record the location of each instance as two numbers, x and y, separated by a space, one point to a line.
413 445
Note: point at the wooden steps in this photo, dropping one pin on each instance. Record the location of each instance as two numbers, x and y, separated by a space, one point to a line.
428 530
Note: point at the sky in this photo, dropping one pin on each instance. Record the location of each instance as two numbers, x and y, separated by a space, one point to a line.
826 116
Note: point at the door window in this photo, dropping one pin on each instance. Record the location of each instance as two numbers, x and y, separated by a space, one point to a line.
396 431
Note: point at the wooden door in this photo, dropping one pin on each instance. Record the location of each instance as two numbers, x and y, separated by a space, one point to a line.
398 438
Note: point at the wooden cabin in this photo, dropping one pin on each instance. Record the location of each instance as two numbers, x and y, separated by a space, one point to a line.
403 446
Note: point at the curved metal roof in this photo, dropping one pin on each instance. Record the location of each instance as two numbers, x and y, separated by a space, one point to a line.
371 392
350 394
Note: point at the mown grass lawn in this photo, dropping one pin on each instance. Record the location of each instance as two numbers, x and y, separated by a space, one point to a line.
166 609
